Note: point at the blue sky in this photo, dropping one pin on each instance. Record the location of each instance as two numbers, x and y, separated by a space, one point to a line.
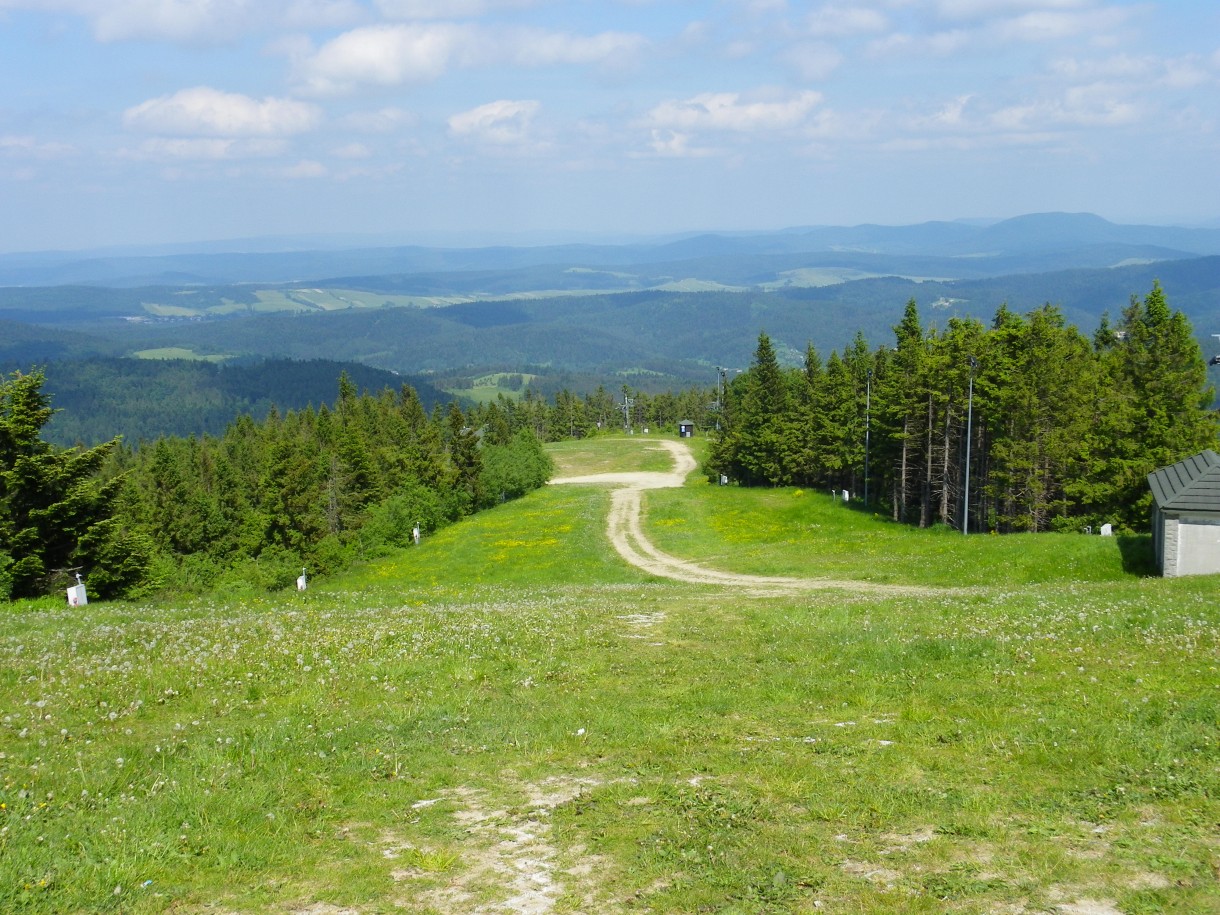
128 122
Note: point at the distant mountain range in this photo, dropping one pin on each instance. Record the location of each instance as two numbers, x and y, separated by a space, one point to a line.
1031 243
652 315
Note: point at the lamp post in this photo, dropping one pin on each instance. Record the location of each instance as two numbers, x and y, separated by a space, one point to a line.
720 381
868 407
974 364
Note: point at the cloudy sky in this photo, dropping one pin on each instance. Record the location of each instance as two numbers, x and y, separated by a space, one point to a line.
149 121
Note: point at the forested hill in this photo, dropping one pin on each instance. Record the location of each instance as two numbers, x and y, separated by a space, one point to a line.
142 400
670 333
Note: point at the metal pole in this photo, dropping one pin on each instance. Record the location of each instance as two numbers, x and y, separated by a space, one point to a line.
969 425
868 406
719 395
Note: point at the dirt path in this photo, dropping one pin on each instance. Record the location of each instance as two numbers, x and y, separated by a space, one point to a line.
626 533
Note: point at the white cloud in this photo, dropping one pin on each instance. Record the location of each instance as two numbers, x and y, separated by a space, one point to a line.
966 122
1094 105
174 20
728 111
538 47
197 21
32 148
445 9
417 52
352 151
207 112
676 145
936 44
503 122
310 14
365 172
384 55
383 120
205 148
1057 25
306 168
987 25
1187 72
951 115
814 61
760 7
983 9
835 20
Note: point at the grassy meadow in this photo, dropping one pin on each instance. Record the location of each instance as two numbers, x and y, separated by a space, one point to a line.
508 718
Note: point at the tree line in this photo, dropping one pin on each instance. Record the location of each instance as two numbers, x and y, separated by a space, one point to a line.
307 488
573 416
1023 425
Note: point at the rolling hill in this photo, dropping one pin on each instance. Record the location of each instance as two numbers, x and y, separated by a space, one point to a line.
143 399
655 316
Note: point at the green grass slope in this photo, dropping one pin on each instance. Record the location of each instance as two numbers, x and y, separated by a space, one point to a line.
508 718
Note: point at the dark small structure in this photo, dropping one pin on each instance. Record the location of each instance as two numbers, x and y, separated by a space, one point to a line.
1186 516
686 429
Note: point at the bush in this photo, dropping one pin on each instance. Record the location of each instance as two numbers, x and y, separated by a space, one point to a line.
512 470
119 561
393 520
275 568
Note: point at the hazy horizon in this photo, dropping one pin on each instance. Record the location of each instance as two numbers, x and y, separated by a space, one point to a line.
136 123
456 239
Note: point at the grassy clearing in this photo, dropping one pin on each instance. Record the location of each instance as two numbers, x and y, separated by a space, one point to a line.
508 701
619 454
489 387
794 532
177 352
304 299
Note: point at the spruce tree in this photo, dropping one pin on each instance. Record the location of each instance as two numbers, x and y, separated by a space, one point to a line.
766 450
465 459
1154 412
901 413
54 505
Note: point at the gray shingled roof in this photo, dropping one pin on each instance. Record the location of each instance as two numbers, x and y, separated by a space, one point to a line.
1189 485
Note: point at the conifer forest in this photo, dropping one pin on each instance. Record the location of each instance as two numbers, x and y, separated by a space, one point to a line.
1021 425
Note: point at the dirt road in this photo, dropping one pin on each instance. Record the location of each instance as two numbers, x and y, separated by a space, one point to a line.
626 533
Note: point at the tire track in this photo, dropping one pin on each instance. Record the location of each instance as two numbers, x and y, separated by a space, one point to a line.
625 530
